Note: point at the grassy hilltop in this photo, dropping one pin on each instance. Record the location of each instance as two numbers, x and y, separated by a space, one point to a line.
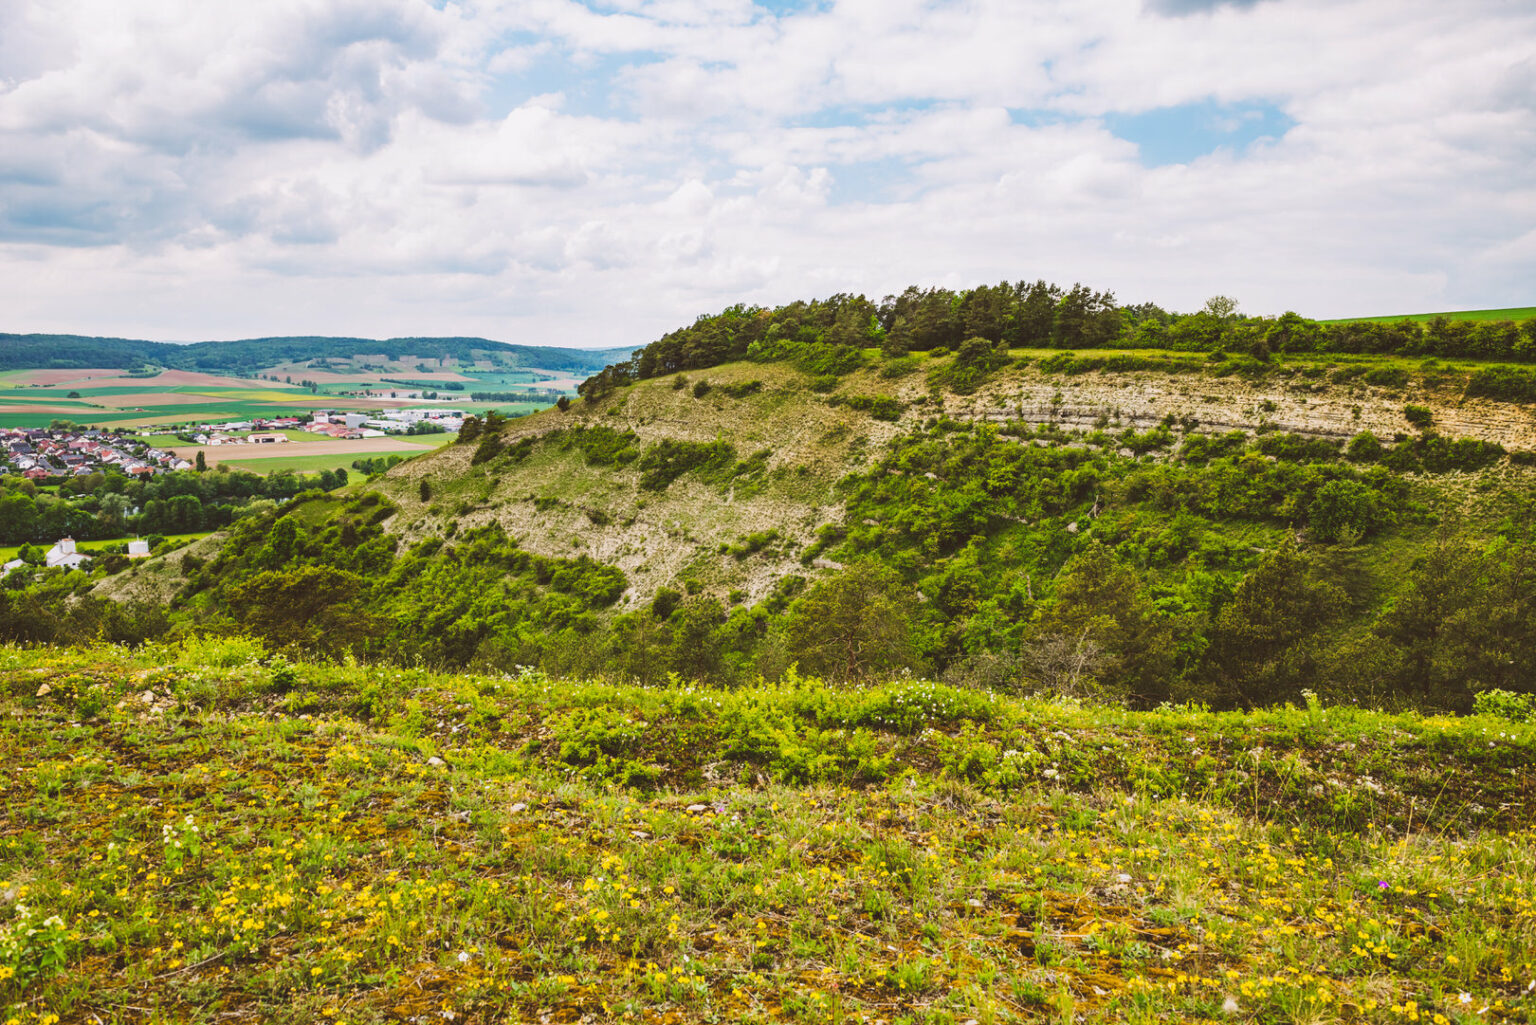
209 833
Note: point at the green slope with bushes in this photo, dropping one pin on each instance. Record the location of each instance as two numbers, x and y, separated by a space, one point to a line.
1140 527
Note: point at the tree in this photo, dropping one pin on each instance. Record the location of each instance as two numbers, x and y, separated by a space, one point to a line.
1466 622
1222 307
696 649
1065 664
315 608
1264 642
976 358
18 519
1035 321
184 514
855 625
202 462
1343 510
1099 624
1086 319
563 403
112 513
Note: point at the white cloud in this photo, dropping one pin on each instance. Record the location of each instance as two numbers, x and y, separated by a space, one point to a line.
549 171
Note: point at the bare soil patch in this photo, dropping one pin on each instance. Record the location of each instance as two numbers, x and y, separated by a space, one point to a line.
76 376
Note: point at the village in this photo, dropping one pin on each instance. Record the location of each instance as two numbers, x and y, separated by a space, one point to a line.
44 453
340 426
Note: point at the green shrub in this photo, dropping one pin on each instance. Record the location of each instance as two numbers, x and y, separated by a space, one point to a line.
1387 377
1420 416
742 389
1508 384
489 448
602 446
1364 448
1504 704
972 365
668 460
881 407
1344 510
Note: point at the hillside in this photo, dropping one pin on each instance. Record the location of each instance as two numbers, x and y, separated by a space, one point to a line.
210 830
1139 526
811 441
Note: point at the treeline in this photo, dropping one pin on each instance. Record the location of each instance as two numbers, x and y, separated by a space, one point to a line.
531 395
104 506
828 335
436 385
246 357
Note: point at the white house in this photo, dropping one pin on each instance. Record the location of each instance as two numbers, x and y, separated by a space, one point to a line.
138 549
64 554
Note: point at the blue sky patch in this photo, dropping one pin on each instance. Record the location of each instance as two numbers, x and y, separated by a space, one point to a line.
587 84
888 179
1177 135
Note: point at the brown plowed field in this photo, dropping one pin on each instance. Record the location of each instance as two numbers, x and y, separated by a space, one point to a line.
52 377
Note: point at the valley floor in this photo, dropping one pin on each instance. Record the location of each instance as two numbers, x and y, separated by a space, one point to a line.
206 833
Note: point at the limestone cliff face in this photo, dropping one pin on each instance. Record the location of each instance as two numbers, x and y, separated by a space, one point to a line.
1143 400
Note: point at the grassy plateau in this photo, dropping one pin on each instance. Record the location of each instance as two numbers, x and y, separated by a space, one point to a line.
1509 313
209 833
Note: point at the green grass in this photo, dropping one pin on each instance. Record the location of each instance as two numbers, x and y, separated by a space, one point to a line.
508 380
214 827
506 408
308 464
1511 313
28 397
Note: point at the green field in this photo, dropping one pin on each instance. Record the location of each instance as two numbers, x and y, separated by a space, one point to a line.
509 380
309 464
1510 313
507 408
314 464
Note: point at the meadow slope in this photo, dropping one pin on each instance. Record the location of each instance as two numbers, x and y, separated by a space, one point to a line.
208 833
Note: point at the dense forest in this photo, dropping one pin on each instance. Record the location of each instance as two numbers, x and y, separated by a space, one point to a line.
245 357
830 335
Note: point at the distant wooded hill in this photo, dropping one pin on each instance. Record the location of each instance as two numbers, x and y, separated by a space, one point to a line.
247 356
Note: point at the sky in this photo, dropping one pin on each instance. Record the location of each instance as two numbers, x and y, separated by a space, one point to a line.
555 172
